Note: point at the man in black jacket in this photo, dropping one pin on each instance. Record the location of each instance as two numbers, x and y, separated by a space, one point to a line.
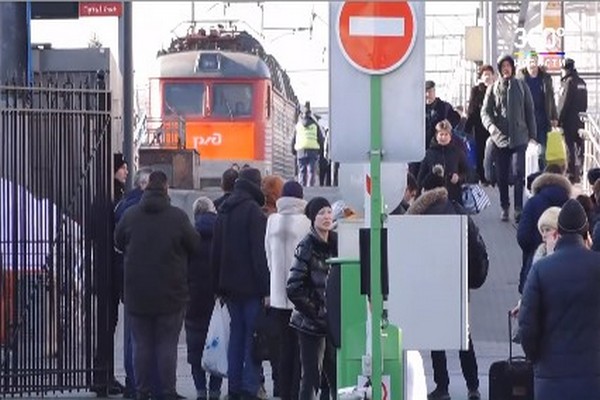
436 110
241 275
156 239
571 101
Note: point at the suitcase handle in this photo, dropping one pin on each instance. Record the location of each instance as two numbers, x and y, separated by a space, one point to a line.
510 342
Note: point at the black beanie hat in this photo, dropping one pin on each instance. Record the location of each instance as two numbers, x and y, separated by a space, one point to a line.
251 175
506 58
593 175
572 218
435 178
118 161
568 64
314 206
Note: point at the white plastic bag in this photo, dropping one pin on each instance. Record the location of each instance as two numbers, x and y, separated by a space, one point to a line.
214 356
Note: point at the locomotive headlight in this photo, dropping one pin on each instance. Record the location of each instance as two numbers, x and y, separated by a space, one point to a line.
208 61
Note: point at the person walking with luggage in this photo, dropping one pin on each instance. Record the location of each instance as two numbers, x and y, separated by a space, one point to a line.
508 115
202 300
572 100
474 125
542 92
559 317
306 289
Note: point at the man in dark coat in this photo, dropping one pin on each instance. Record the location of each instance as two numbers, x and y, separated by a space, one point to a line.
156 239
559 317
509 116
436 110
549 190
572 100
241 275
473 125
542 92
140 181
227 181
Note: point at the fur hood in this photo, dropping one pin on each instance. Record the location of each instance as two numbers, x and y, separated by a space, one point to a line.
427 200
550 179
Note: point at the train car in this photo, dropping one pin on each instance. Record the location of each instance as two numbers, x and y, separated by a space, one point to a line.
222 95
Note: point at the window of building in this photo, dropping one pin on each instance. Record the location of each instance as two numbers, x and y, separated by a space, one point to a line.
232 100
183 99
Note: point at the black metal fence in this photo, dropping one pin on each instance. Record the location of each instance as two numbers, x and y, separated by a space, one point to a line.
55 238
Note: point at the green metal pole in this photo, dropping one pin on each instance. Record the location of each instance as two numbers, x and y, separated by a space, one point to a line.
376 215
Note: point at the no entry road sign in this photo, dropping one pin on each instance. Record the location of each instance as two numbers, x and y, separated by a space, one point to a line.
376 37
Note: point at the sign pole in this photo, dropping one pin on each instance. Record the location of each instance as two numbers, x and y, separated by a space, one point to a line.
376 293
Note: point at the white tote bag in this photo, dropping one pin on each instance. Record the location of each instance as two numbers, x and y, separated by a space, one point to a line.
214 356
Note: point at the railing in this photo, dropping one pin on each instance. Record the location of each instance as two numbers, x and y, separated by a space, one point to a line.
164 133
591 136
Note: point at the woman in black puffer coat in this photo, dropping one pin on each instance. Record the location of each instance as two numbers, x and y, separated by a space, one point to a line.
306 289
451 158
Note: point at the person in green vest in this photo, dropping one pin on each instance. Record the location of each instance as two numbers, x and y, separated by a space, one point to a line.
307 146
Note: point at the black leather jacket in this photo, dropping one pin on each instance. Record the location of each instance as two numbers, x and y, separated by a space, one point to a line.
307 284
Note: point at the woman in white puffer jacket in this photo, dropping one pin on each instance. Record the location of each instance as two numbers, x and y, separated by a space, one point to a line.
285 229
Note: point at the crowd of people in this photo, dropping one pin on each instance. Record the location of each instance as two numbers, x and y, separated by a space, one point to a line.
261 250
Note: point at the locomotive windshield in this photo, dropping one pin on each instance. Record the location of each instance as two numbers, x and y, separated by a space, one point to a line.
183 99
231 100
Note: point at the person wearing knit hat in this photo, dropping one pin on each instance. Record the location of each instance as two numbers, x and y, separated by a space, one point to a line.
512 125
434 179
314 207
292 189
559 319
120 176
572 219
285 229
306 289
548 227
241 275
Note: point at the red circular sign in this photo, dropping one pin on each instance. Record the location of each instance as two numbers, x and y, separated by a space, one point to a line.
376 37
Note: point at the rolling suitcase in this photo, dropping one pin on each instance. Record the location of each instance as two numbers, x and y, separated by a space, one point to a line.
511 379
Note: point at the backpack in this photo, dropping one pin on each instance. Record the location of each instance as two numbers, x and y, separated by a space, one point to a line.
476 252
478 257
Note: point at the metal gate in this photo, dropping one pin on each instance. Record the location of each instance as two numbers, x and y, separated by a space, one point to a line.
55 238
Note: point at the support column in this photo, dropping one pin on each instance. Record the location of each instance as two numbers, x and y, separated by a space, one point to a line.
127 40
493 15
13 42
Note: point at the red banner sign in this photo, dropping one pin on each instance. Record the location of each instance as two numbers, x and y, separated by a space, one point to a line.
100 9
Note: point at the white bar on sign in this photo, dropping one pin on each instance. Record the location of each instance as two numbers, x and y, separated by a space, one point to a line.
377 26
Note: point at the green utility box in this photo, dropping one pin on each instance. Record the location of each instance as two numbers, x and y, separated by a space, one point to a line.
353 336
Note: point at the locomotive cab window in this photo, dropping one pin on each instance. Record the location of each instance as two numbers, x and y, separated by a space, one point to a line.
183 99
232 100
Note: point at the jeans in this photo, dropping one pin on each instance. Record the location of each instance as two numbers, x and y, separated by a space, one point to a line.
316 357
214 383
307 167
468 364
511 164
155 339
243 374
